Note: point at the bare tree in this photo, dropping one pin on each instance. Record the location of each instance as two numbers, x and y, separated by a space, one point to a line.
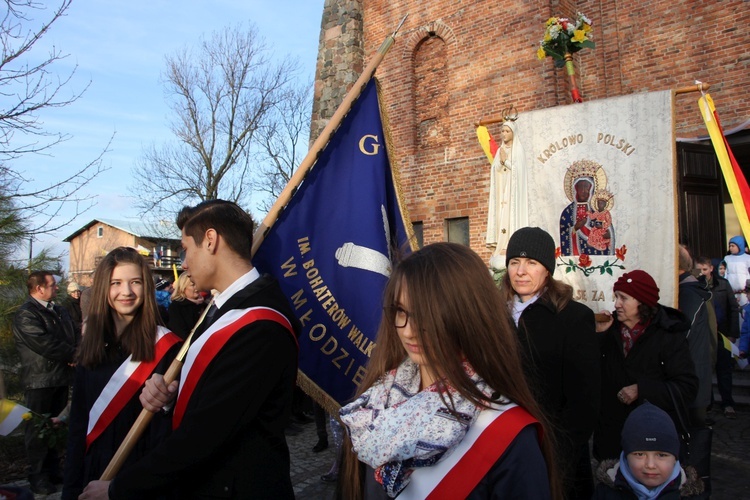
38 211
29 86
283 143
221 93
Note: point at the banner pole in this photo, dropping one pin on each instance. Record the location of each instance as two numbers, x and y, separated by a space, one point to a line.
684 90
700 87
322 140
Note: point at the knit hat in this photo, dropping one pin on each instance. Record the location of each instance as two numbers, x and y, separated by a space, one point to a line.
639 285
532 243
73 287
649 428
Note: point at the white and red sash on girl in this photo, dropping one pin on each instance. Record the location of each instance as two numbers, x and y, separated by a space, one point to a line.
460 472
203 350
124 384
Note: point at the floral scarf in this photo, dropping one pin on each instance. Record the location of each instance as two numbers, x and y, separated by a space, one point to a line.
628 336
395 427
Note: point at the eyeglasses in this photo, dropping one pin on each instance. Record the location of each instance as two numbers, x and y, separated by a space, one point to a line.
400 316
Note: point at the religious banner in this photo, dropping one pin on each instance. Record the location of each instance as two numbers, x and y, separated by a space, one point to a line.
332 248
601 180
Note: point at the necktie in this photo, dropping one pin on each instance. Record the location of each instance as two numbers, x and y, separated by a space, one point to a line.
51 308
210 314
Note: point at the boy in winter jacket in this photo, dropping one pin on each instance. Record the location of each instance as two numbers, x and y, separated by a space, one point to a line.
648 466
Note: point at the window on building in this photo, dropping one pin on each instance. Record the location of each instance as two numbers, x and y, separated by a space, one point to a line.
418 232
457 230
100 231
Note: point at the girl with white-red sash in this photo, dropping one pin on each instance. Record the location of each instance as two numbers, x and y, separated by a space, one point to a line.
445 410
123 345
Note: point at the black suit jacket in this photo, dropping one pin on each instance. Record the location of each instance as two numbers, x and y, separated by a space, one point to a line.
231 441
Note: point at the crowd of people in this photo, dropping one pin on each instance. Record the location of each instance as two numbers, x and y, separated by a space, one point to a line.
474 390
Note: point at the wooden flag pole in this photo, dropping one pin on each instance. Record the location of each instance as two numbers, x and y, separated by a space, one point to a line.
699 87
322 140
140 424
489 121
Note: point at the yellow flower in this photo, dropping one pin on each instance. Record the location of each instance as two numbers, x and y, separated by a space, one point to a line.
540 53
586 27
547 37
578 36
26 416
551 21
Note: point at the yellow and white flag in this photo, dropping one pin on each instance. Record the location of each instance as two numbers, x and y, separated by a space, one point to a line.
11 416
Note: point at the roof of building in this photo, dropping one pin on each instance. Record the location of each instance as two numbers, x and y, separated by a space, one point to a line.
164 231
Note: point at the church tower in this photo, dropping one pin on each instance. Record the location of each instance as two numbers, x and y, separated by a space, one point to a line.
341 56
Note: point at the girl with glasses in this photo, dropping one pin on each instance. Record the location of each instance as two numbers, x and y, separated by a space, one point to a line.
445 408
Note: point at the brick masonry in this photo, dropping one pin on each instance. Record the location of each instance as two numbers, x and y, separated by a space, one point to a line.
456 61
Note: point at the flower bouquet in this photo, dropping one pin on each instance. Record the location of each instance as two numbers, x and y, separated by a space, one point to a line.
564 37
51 432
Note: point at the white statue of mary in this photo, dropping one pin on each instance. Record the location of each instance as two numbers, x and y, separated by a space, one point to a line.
508 207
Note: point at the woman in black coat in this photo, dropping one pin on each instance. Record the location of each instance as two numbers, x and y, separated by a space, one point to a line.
645 354
186 307
561 350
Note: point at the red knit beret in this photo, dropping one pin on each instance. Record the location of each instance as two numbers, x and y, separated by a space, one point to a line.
639 285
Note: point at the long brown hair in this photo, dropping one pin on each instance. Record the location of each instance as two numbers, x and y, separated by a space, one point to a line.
138 337
458 314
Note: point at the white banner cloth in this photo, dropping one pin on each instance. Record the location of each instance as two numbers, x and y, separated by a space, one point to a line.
601 180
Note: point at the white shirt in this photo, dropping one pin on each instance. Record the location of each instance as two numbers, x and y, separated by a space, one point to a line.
518 307
240 283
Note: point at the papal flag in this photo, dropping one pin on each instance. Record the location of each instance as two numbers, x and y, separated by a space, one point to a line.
11 416
735 180
332 250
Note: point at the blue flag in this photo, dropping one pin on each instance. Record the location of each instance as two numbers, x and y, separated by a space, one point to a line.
331 250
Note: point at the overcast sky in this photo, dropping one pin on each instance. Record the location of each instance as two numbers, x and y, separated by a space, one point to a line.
120 47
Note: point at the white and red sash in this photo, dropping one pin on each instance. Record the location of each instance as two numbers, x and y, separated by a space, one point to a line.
124 384
203 350
460 472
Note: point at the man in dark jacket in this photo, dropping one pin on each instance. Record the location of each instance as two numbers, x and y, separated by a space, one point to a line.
728 322
236 387
45 339
694 301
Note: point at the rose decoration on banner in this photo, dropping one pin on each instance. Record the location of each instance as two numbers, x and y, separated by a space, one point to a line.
584 263
564 37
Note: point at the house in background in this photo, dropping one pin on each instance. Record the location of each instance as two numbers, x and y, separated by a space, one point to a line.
88 245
